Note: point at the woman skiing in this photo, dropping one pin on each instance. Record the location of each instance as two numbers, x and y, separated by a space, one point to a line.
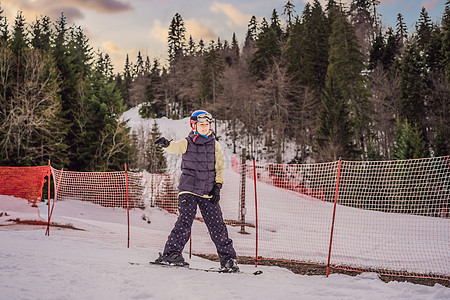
201 179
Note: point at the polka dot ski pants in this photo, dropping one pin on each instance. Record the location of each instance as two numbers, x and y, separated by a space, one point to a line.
212 214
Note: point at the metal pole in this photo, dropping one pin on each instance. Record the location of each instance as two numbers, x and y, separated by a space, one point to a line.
256 216
334 215
242 211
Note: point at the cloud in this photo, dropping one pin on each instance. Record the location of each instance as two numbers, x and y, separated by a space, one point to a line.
235 17
431 5
158 32
100 6
193 28
199 31
72 8
112 48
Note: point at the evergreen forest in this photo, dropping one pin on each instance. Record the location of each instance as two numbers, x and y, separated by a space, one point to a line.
332 80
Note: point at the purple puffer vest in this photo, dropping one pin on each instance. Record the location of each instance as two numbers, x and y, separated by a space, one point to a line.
198 165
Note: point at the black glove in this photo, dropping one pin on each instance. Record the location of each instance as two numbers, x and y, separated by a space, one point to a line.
215 193
163 142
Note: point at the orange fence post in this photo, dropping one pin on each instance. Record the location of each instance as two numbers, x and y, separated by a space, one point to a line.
256 216
48 202
334 215
128 205
47 232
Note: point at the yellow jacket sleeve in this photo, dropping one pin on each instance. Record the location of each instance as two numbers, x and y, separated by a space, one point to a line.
178 147
219 163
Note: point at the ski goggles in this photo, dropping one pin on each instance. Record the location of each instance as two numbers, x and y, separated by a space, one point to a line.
204 117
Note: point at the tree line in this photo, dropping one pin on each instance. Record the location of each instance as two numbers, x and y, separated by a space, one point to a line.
59 100
332 81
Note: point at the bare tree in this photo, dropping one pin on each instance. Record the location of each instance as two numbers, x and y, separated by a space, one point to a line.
304 119
438 105
385 97
30 127
274 92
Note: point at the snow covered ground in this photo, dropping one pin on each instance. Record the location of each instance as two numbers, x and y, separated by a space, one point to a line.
35 266
72 264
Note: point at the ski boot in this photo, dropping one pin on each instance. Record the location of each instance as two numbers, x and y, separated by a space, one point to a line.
230 266
172 259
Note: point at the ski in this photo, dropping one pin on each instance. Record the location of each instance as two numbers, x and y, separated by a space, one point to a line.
215 270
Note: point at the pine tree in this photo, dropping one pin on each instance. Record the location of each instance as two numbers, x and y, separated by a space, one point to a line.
201 47
138 69
102 141
155 90
446 40
19 38
307 48
192 49
391 50
235 48
156 161
18 45
401 31
424 28
441 141
128 78
275 24
251 35
433 54
176 39
72 55
41 34
4 32
413 87
409 143
377 51
288 11
364 21
268 48
212 75
346 64
383 50
335 134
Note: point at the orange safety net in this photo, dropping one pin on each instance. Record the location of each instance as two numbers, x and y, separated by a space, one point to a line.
25 185
23 182
389 217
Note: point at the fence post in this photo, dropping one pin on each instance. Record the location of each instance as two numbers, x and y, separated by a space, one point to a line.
256 215
48 202
47 232
128 205
334 215
242 211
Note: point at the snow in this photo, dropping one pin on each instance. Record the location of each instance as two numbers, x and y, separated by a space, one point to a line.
72 264
35 266
179 129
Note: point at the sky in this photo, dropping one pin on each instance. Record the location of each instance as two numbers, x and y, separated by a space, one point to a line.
120 27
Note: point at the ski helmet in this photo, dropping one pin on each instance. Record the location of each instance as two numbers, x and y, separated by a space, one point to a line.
199 116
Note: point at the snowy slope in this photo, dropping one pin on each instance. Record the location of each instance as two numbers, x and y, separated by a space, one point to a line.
78 265
35 266
179 129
